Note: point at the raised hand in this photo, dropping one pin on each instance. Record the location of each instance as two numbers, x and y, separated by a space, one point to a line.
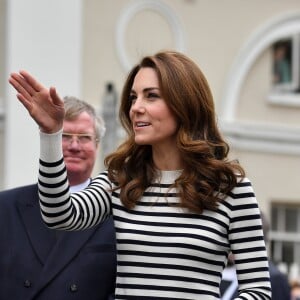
44 105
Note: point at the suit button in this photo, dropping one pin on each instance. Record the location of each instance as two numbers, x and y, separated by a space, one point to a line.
27 283
73 288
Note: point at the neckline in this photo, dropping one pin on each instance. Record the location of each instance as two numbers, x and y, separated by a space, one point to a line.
167 176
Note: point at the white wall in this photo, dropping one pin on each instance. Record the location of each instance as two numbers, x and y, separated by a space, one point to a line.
43 37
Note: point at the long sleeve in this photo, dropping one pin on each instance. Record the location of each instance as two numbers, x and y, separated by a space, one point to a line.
164 251
59 209
247 242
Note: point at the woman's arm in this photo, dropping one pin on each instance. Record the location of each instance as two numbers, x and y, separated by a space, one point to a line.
247 244
59 209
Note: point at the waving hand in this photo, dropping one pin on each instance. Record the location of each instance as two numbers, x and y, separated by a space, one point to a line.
44 105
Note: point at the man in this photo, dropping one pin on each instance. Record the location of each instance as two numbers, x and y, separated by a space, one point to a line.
229 283
40 263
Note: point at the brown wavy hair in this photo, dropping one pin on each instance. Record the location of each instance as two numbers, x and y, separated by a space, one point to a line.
208 175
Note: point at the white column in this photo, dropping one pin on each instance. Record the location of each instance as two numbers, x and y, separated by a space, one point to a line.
44 38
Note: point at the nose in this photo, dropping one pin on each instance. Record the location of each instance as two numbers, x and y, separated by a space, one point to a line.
138 106
74 143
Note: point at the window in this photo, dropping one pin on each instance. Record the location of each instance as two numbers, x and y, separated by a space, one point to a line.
284 236
282 62
286 71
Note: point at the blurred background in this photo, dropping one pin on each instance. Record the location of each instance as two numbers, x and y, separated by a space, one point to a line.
249 51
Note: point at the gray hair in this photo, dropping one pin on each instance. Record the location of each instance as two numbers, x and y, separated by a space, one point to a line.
74 107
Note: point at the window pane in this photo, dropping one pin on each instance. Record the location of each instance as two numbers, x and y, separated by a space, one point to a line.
275 252
282 55
291 219
274 218
284 244
288 252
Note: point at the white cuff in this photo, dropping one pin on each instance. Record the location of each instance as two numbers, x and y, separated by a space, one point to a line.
51 146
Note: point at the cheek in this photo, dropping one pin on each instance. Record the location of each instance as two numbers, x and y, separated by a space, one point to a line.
91 152
169 121
130 115
172 127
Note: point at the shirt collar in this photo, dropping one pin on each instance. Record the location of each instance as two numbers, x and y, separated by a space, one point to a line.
80 186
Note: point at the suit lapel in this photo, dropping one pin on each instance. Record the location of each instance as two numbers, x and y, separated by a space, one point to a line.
67 247
29 210
54 252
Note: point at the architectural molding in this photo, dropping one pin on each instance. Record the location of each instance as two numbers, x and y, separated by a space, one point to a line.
136 7
270 138
258 137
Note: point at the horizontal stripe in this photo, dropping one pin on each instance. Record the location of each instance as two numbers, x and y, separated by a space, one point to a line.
164 251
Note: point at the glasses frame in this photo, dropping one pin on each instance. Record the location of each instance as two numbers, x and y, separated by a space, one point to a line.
78 135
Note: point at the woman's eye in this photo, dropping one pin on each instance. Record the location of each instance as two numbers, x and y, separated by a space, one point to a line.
153 95
132 98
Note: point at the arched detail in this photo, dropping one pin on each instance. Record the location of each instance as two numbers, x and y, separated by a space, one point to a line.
136 7
262 137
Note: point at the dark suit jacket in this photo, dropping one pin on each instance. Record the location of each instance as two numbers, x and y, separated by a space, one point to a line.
279 282
43 264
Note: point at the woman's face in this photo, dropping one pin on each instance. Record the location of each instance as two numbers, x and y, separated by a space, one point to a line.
152 120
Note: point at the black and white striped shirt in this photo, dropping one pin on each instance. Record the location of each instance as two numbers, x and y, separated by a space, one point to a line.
163 251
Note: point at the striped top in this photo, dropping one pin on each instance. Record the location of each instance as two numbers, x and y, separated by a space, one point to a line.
163 251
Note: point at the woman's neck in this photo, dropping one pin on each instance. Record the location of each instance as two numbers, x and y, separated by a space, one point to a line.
168 162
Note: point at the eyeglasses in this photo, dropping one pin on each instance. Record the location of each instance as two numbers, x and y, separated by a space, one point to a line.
81 138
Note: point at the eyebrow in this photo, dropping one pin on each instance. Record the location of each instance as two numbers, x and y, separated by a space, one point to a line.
78 133
146 89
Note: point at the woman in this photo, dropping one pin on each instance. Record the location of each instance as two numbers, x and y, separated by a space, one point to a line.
179 205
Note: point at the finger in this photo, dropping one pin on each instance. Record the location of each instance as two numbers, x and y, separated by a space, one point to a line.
22 95
32 81
21 86
27 104
55 97
23 83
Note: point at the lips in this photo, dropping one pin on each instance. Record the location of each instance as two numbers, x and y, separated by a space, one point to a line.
141 124
72 159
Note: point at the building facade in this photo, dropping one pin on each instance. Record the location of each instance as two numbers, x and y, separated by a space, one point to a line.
82 47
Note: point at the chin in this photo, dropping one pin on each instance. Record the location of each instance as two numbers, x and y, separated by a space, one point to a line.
73 168
141 142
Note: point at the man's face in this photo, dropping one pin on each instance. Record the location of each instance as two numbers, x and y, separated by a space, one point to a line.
79 147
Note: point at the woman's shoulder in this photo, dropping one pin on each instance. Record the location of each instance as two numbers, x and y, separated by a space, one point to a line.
243 191
243 183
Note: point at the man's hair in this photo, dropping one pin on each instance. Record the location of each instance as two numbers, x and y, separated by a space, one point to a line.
74 107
